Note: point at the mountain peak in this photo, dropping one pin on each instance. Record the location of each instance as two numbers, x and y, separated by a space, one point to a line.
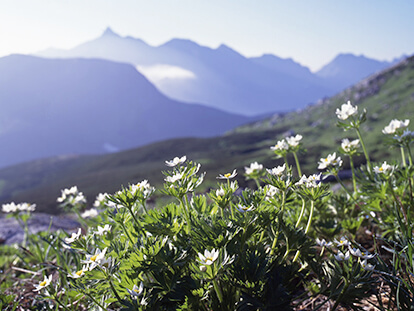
109 32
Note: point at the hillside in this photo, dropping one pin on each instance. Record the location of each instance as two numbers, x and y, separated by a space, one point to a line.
386 95
87 106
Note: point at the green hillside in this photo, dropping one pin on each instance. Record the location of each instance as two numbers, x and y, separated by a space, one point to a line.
386 95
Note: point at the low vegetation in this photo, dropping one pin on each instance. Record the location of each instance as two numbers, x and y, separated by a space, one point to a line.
289 241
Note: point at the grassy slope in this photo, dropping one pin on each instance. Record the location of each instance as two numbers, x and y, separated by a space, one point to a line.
387 95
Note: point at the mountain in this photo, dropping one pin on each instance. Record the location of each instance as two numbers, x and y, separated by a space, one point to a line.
221 77
386 95
345 69
76 106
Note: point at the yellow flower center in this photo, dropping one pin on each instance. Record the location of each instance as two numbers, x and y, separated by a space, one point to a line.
136 290
79 273
209 258
381 169
245 208
227 175
43 283
93 258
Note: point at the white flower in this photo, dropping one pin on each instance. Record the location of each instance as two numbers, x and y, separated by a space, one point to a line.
100 199
94 260
143 185
323 243
383 169
394 126
330 160
271 191
209 257
342 242
46 282
243 208
172 179
228 175
176 161
346 111
220 192
313 181
253 168
22 207
103 230
136 291
341 256
73 191
73 237
93 212
277 171
26 207
367 266
280 145
294 141
78 274
358 253
349 146
9 208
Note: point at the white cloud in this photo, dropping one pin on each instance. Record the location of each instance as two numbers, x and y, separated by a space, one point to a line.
160 72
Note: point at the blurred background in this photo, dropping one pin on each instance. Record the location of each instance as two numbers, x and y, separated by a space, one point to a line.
99 94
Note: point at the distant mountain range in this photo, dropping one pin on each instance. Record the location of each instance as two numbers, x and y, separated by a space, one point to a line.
386 95
81 106
223 78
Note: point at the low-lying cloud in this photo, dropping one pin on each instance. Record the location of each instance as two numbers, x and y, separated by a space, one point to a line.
160 72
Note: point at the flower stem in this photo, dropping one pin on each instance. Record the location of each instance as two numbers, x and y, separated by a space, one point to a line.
127 233
363 148
351 162
297 164
114 290
310 216
410 157
279 221
404 164
301 213
186 214
218 291
144 206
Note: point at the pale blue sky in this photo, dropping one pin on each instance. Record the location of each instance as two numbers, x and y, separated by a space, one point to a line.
311 32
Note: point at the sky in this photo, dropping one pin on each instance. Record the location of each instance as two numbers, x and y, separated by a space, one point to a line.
312 32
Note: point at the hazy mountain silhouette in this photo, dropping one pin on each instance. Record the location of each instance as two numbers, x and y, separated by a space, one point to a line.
220 77
67 106
345 69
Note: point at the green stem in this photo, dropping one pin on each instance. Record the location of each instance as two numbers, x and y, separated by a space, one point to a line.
133 215
114 290
257 183
187 216
301 213
279 221
410 157
144 206
363 148
218 290
296 256
346 190
60 303
351 162
297 164
338 300
126 233
286 160
94 300
310 216
404 164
